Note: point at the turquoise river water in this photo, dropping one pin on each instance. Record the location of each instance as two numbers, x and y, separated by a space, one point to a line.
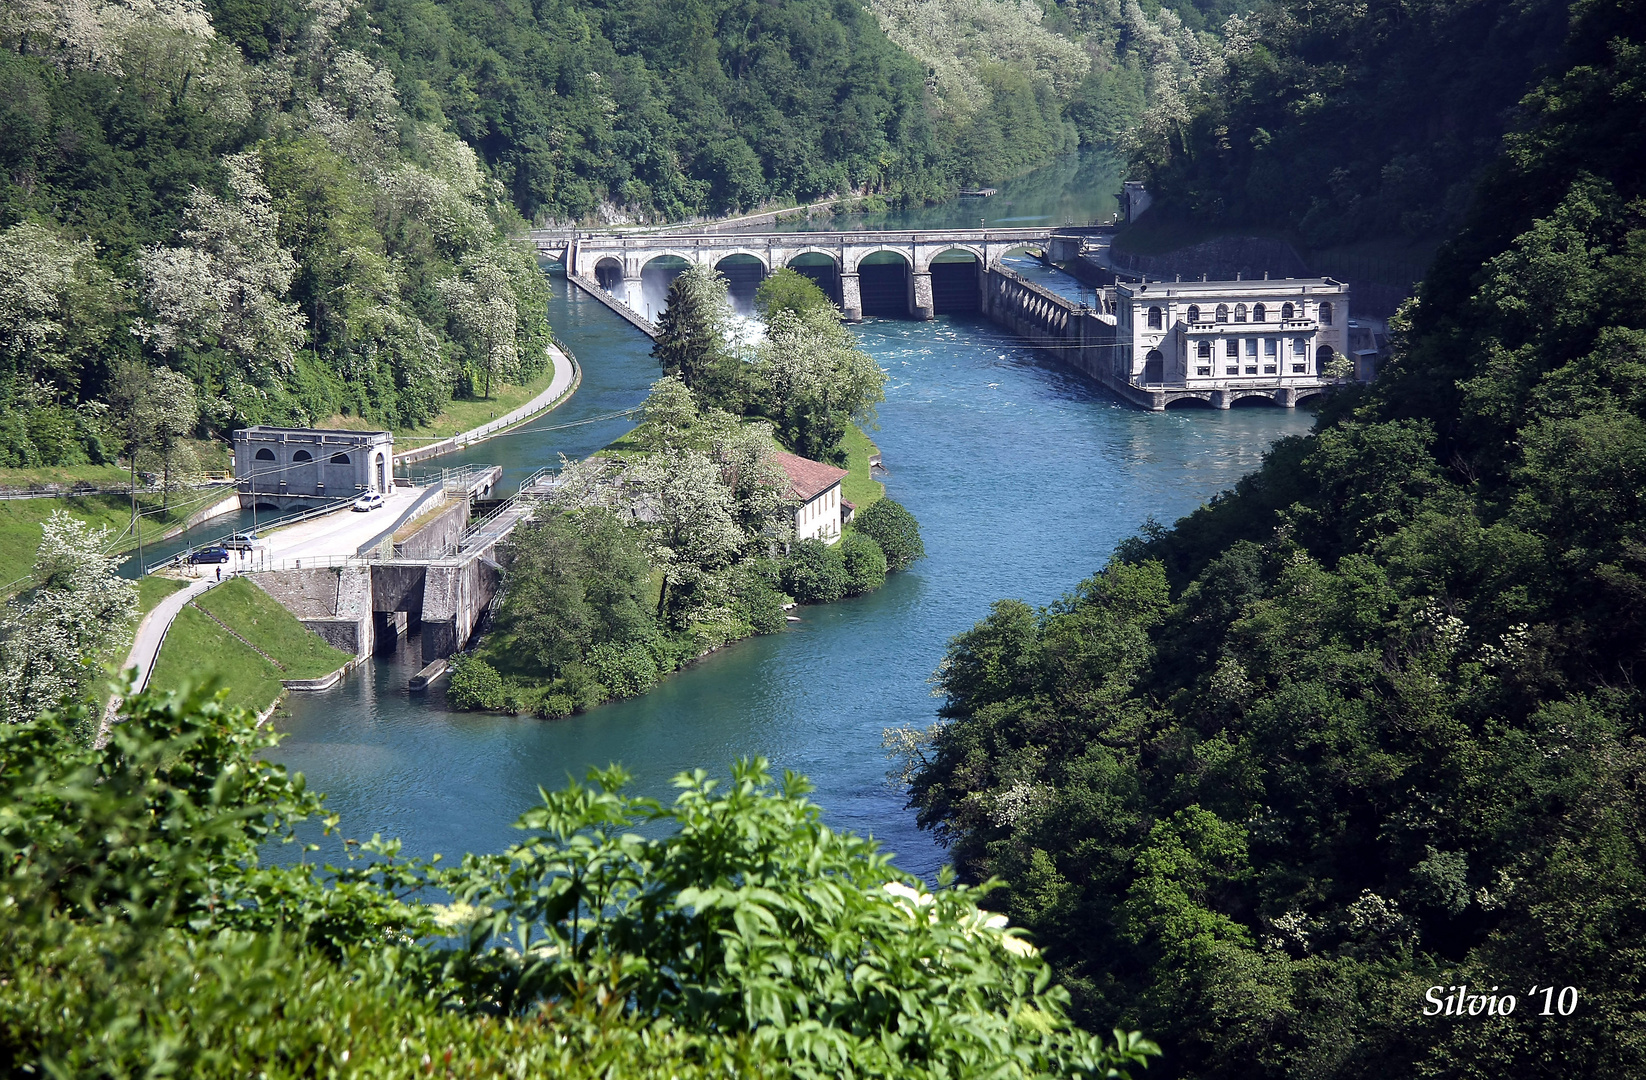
1023 477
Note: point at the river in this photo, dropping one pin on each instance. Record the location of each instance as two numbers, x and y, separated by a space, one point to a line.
1023 477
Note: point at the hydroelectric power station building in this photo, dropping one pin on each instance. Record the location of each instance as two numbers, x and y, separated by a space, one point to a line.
1231 335
284 468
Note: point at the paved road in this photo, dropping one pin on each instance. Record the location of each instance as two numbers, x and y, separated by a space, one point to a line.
334 535
152 630
565 373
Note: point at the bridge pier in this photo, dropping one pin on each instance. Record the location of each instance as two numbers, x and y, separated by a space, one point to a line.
634 293
851 297
1221 399
920 295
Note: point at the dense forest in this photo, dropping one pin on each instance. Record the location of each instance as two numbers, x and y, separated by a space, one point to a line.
1370 723
302 208
1342 121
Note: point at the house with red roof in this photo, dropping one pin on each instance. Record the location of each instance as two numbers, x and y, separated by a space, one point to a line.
822 512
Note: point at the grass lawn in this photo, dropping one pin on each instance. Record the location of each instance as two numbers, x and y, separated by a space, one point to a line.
63 476
461 413
153 589
20 521
860 488
198 649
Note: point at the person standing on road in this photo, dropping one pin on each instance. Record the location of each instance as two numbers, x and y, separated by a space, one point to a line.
219 573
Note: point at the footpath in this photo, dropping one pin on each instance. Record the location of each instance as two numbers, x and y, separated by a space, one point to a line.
567 376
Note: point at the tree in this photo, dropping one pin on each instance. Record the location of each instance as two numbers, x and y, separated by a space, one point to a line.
815 572
865 563
55 304
226 286
474 684
172 413
692 337
54 633
813 380
789 290
573 581
894 529
692 531
484 305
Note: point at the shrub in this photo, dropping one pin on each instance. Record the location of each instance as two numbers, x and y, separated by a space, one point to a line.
814 573
758 601
626 670
890 525
865 563
556 706
475 684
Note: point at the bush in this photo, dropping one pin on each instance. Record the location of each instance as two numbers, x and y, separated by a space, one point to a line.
865 563
814 573
556 706
475 684
627 670
890 525
758 601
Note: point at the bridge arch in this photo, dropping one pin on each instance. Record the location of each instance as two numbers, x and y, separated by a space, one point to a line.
885 281
657 273
608 272
1258 398
743 271
821 266
1190 401
957 279
1309 393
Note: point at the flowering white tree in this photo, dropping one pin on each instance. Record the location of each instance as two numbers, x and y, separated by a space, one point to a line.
227 285
484 305
53 635
51 290
692 527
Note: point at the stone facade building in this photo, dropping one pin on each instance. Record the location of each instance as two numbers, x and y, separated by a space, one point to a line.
1229 335
290 467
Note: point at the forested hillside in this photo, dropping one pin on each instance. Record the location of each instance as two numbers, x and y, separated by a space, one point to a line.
1370 723
285 232
1343 121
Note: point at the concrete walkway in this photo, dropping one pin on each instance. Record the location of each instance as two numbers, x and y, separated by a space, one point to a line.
151 632
566 377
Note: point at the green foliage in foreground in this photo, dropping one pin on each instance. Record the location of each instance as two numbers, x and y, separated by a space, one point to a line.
141 933
1371 722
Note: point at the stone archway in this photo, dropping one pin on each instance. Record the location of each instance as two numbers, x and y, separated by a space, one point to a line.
957 281
885 281
824 271
743 273
1154 368
608 272
656 275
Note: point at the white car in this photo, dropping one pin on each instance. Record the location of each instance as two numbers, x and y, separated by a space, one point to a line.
371 500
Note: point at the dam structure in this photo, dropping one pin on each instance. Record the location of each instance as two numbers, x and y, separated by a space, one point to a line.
1153 353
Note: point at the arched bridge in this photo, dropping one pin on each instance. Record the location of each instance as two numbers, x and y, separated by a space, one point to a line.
865 272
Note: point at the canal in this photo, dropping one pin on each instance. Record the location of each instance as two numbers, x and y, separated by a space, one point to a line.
1023 477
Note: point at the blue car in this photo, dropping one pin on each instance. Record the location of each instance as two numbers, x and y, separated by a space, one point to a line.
210 555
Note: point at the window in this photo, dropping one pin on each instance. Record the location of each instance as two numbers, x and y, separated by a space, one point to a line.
265 454
340 459
1252 370
302 455
1232 369
1240 313
1325 314
1259 313
1194 313
1154 318
1300 346
1251 346
1268 346
1204 350
1231 347
1268 369
1202 371
1223 313
1287 312
1298 369
1154 367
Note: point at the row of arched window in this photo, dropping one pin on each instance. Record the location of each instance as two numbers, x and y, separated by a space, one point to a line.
1259 313
265 454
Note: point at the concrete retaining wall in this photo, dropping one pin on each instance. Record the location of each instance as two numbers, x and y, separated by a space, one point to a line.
438 536
334 603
